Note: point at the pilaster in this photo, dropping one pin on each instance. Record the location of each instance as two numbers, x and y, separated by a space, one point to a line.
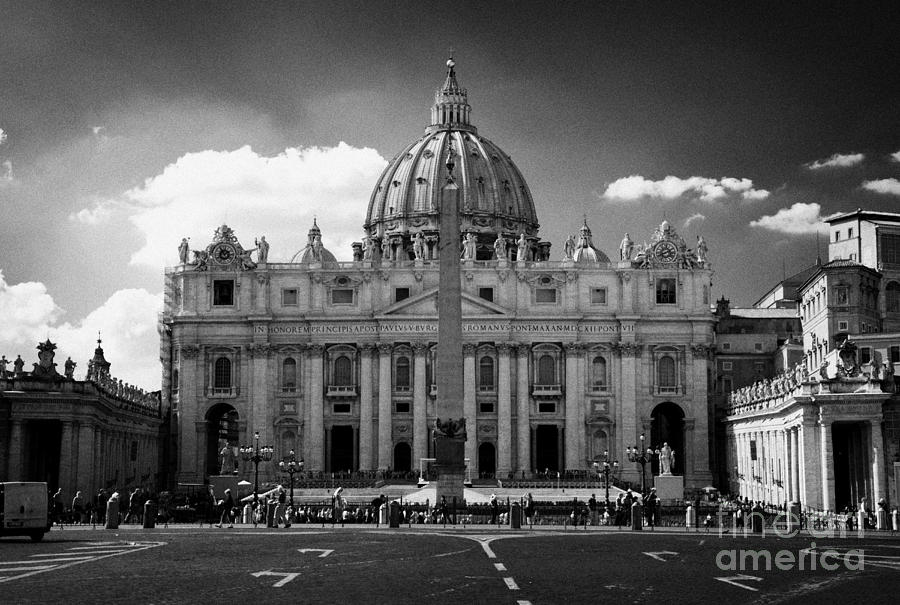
385 446
420 389
573 426
523 420
315 433
504 420
469 407
366 377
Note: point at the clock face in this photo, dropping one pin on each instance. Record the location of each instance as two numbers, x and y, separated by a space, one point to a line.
665 252
224 253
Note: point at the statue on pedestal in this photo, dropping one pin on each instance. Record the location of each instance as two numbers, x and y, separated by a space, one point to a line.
262 250
226 455
183 251
569 248
666 459
500 247
419 246
3 364
69 368
626 248
469 247
522 249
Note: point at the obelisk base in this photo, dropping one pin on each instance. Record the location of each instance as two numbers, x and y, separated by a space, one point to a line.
450 466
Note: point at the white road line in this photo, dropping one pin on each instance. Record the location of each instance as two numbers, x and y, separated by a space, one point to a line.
511 584
500 566
36 569
74 555
31 568
523 602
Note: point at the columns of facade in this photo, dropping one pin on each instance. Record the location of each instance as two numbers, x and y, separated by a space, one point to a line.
366 441
98 479
420 393
795 464
469 407
826 455
810 476
504 419
86 459
66 461
315 432
384 405
876 450
199 454
523 417
261 415
690 449
700 470
14 463
784 471
192 381
630 354
573 397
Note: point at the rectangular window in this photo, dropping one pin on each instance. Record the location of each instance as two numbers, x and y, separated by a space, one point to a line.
486 407
757 346
727 384
547 407
665 291
759 366
889 245
598 296
841 295
726 366
401 294
545 295
837 236
342 296
865 355
223 292
753 449
341 408
842 326
726 346
289 297
895 354
401 407
486 293
850 233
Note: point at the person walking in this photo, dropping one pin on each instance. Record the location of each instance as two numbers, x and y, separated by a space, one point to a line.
495 509
78 508
227 508
652 505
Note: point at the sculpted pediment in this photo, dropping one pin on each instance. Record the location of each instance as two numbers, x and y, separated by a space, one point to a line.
425 304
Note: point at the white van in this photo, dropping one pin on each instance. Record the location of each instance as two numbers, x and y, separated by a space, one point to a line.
23 509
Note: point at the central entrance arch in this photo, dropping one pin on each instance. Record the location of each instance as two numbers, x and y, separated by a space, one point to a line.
667 426
487 460
402 457
546 457
341 448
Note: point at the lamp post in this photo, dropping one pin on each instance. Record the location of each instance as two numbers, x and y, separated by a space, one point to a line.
290 467
605 471
641 456
256 454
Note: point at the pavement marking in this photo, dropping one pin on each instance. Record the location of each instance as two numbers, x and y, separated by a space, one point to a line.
500 566
523 602
658 555
511 584
736 581
288 576
325 551
79 554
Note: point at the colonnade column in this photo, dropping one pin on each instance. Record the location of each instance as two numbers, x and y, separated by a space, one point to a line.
876 452
469 407
260 413
420 421
795 465
523 420
98 479
199 456
630 353
315 432
86 459
384 405
504 419
193 382
66 467
573 398
365 406
825 460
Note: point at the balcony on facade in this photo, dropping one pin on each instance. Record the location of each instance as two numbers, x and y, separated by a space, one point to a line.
546 390
669 390
221 392
341 390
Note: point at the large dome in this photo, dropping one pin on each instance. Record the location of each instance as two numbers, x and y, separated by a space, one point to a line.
494 198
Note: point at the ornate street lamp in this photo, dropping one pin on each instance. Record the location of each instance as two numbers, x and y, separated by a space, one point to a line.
605 471
641 456
256 454
290 467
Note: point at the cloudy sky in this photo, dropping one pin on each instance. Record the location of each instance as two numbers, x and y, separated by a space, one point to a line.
125 126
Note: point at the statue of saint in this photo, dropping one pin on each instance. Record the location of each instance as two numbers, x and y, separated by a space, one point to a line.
701 249
666 460
262 250
625 248
522 248
385 249
227 457
419 246
469 247
317 248
500 247
368 249
569 248
69 367
3 364
183 251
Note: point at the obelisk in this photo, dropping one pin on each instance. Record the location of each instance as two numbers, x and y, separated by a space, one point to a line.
450 425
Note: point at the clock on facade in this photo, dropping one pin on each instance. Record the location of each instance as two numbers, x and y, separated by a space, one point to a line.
223 253
665 252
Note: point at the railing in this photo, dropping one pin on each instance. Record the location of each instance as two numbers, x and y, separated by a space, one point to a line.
335 390
221 391
547 390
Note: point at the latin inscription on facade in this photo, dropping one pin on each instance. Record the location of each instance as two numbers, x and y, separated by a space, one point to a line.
431 328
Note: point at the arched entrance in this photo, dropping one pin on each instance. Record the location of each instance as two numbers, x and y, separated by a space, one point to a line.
667 426
487 460
221 431
402 457
546 451
342 448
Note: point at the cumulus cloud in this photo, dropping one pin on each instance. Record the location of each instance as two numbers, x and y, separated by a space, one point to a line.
636 187
896 156
887 186
799 219
127 321
837 160
255 195
694 218
97 214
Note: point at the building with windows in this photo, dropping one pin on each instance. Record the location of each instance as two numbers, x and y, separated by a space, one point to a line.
565 356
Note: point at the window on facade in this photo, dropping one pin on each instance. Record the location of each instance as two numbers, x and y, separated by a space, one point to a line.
486 294
727 384
341 408
726 366
545 295
598 296
726 346
401 377
759 367
486 407
837 236
598 372
865 355
665 373
842 326
757 346
342 296
222 373
546 370
342 374
665 291
289 373
223 292
841 295
850 233
289 297
401 294
401 407
895 354
892 297
547 407
889 246
486 374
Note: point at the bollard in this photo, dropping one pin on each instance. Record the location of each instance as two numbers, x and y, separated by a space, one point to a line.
636 516
756 519
383 514
515 516
247 516
112 514
861 520
881 519
690 517
270 514
149 514
395 515
895 520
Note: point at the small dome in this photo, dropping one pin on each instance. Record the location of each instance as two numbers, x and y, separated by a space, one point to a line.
314 252
585 252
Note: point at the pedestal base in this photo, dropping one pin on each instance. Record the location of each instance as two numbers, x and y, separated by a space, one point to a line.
669 487
450 467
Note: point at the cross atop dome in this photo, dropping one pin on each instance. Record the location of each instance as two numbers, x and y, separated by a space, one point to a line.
451 107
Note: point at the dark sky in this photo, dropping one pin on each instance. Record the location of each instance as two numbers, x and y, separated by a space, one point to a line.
98 97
